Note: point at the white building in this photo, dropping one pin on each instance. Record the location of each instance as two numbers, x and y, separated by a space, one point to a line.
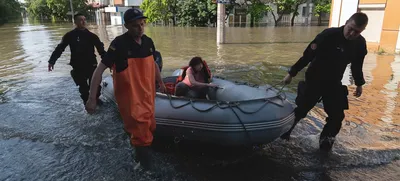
240 18
117 8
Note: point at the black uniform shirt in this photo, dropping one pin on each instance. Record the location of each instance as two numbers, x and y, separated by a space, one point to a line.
81 44
329 54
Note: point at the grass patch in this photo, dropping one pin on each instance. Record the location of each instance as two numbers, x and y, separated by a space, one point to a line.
381 51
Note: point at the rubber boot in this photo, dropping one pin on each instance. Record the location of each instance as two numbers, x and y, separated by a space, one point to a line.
144 158
286 136
326 143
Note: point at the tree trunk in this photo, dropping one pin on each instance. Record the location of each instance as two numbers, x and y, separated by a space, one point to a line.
294 14
319 20
279 19
173 19
292 20
251 20
273 15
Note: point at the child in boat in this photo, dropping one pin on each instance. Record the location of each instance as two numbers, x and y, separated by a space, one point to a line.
196 80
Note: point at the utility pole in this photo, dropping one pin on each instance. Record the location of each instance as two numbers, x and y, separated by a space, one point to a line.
220 23
72 11
308 13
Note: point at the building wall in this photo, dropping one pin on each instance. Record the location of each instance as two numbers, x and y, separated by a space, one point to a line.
133 2
382 32
119 2
116 18
398 42
373 1
374 28
335 13
240 19
390 29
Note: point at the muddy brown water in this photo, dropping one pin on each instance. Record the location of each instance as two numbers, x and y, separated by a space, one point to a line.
45 134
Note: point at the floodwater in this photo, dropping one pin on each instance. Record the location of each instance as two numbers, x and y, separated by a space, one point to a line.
45 134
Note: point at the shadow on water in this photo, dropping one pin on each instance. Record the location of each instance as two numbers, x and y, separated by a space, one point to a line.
45 134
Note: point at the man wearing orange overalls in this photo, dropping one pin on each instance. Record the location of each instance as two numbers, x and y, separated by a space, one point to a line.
134 72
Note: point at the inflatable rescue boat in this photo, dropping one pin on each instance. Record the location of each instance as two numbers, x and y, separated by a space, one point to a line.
237 114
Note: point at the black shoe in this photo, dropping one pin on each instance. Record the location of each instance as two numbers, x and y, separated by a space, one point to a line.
286 136
143 157
326 144
99 102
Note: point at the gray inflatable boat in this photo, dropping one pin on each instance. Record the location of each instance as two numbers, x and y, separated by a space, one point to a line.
237 115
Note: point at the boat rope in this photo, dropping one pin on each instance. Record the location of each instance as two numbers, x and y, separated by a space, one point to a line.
235 104
227 104
241 122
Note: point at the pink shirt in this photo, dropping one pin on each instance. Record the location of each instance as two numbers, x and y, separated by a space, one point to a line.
198 76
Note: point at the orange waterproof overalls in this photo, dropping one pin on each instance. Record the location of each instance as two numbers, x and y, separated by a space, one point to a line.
134 89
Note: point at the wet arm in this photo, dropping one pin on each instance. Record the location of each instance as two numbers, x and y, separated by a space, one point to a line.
193 80
158 71
107 61
96 80
59 49
158 74
99 46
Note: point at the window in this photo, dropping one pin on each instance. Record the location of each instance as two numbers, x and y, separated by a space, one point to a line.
304 11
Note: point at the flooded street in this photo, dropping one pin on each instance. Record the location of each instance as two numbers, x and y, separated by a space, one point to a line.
45 133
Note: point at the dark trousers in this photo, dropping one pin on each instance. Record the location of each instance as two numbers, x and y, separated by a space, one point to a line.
82 78
181 89
335 101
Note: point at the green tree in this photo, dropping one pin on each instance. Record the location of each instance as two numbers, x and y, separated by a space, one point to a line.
9 9
160 10
151 9
229 8
321 7
173 10
282 7
56 9
257 10
197 12
296 4
38 8
60 8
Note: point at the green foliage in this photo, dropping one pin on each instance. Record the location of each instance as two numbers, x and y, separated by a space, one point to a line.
283 6
197 12
57 9
321 6
9 9
257 9
381 51
38 8
156 10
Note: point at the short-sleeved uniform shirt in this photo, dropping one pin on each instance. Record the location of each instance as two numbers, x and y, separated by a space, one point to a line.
134 76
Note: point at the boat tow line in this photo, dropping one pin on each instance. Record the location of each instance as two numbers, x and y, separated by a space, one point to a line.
223 105
280 91
232 105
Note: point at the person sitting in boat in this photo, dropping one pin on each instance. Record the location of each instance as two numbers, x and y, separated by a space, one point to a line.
195 80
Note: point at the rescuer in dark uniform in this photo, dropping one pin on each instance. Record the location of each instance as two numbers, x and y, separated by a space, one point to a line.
329 54
83 59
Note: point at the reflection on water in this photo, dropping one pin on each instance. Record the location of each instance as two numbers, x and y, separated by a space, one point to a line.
43 119
381 92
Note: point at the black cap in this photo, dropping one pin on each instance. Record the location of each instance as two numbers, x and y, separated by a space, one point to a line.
133 14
